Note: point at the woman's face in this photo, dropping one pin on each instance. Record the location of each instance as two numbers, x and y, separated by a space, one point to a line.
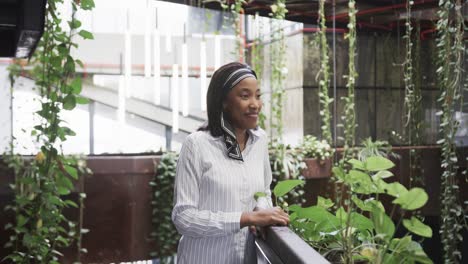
243 104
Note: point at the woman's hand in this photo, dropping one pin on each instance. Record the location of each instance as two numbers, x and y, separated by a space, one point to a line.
264 217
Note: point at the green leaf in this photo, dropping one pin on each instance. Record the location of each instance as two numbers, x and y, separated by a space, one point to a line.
55 200
21 220
70 64
283 187
72 171
361 182
82 100
400 244
69 102
383 224
62 49
357 164
71 203
79 62
413 199
56 61
378 163
341 214
76 85
294 207
339 173
417 227
87 4
63 181
258 195
383 174
319 215
416 253
395 189
324 203
368 204
361 222
86 34
74 24
63 191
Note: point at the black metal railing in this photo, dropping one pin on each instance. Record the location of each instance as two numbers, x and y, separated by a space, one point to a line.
283 246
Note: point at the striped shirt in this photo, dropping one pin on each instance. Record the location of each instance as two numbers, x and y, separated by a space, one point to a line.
211 192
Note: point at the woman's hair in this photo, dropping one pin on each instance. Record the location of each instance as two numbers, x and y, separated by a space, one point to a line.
216 95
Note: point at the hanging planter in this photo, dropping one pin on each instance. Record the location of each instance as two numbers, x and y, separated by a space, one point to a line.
317 168
317 158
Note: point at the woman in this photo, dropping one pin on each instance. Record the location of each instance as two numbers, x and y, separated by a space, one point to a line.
219 170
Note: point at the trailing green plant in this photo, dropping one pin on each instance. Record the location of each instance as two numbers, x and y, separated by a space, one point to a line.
311 147
283 160
164 232
349 117
237 11
278 66
450 48
413 98
38 209
417 124
324 82
42 184
363 230
258 60
379 148
287 166
410 100
282 190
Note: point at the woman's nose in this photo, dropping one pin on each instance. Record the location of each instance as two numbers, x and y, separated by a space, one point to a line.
255 104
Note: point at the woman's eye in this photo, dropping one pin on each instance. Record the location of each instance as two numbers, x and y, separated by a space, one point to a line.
259 96
244 96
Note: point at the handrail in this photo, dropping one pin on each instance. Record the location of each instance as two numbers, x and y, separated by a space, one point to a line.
282 245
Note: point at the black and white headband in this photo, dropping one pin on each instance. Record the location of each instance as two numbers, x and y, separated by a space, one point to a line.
236 77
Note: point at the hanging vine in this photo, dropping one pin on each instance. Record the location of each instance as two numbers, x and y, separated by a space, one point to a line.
343 195
164 232
450 53
413 98
237 11
278 66
349 116
258 60
278 74
324 82
41 230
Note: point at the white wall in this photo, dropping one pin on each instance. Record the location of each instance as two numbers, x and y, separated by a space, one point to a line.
5 120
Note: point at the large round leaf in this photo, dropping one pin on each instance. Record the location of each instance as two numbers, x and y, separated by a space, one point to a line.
413 199
395 189
69 102
320 216
361 222
283 187
417 227
383 224
378 163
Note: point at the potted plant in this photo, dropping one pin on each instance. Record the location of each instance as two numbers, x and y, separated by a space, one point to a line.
360 229
317 157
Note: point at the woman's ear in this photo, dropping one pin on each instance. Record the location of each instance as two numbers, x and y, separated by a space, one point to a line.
224 106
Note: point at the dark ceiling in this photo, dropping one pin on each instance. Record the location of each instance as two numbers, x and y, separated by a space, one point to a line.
21 26
373 15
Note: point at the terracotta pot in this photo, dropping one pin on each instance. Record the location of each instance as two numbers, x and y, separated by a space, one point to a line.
317 169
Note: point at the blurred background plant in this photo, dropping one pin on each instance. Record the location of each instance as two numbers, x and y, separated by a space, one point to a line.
311 147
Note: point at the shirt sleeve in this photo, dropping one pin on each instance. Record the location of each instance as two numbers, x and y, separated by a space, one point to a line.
266 202
188 219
